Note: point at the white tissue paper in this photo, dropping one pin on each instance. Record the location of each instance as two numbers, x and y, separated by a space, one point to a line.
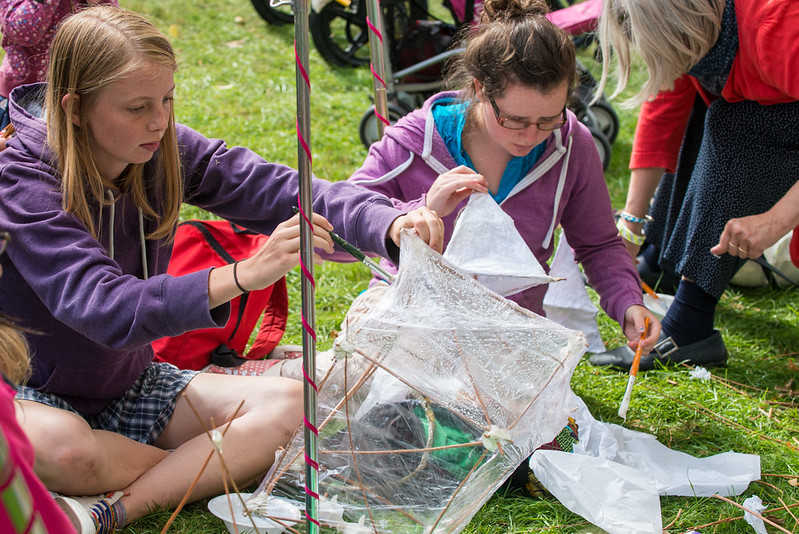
613 457
756 505
486 244
567 302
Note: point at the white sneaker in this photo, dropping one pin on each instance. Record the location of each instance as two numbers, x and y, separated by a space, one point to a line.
90 515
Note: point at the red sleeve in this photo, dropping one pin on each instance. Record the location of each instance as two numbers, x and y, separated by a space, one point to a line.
661 126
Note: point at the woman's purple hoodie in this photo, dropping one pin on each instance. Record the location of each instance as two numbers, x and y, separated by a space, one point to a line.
566 187
97 309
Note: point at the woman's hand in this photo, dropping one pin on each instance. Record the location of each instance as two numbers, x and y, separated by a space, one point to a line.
748 237
634 321
427 224
452 187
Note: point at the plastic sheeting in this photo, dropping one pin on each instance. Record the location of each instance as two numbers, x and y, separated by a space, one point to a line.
486 244
442 389
567 302
615 475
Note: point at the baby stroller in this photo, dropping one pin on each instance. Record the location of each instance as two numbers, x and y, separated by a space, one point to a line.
418 44
423 47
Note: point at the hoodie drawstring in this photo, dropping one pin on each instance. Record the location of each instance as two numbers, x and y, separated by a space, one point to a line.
111 217
558 193
142 240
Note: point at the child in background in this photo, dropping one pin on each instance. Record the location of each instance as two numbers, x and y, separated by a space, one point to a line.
28 27
92 195
508 132
25 504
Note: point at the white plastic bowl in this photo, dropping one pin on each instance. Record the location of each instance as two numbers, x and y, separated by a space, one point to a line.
276 507
660 306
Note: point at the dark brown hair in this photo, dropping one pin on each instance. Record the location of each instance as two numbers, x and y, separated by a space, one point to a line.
514 43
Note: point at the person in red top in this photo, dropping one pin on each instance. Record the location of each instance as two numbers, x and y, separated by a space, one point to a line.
25 504
717 145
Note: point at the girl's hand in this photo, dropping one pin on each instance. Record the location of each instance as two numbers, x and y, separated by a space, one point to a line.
634 320
452 187
281 253
427 224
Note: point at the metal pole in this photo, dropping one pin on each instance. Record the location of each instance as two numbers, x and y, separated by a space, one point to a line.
374 19
301 45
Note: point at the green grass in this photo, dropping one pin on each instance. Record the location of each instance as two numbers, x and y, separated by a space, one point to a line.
237 82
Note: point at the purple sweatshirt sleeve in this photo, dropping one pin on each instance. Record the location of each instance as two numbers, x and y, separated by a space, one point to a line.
240 186
383 159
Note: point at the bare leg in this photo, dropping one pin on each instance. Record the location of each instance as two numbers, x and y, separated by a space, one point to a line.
74 459
270 413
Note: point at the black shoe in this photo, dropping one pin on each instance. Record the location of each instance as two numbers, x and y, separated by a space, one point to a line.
708 352
660 281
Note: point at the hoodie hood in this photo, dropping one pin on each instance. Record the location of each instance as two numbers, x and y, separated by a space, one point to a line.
26 110
417 133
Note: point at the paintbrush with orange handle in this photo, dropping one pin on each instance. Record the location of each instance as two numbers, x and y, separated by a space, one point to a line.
625 402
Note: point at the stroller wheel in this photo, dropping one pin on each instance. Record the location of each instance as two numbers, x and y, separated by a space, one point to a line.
340 33
605 119
602 146
274 15
367 129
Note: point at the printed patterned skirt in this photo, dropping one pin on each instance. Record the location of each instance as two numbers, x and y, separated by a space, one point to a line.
736 160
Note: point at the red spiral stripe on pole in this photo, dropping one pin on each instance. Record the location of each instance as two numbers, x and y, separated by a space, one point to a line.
305 200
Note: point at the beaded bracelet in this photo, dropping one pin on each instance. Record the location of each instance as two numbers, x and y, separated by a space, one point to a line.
633 219
236 278
629 235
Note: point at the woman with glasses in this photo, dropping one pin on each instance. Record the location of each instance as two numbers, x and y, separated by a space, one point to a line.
716 145
507 132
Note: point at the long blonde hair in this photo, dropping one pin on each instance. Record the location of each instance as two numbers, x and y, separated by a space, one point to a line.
92 49
14 359
671 36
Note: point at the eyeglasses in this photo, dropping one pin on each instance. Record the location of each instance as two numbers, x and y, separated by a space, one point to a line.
513 124
5 237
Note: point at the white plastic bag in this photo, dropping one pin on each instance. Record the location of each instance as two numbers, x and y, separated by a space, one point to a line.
630 505
486 244
619 459
779 256
567 302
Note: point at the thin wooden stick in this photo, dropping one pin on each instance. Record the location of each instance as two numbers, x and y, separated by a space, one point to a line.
788 510
406 451
769 521
731 519
667 527
197 478
722 418
222 463
355 458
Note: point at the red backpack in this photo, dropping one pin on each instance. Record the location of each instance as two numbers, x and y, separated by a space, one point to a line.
202 244
795 246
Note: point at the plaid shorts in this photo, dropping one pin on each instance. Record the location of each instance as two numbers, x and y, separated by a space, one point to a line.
141 413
